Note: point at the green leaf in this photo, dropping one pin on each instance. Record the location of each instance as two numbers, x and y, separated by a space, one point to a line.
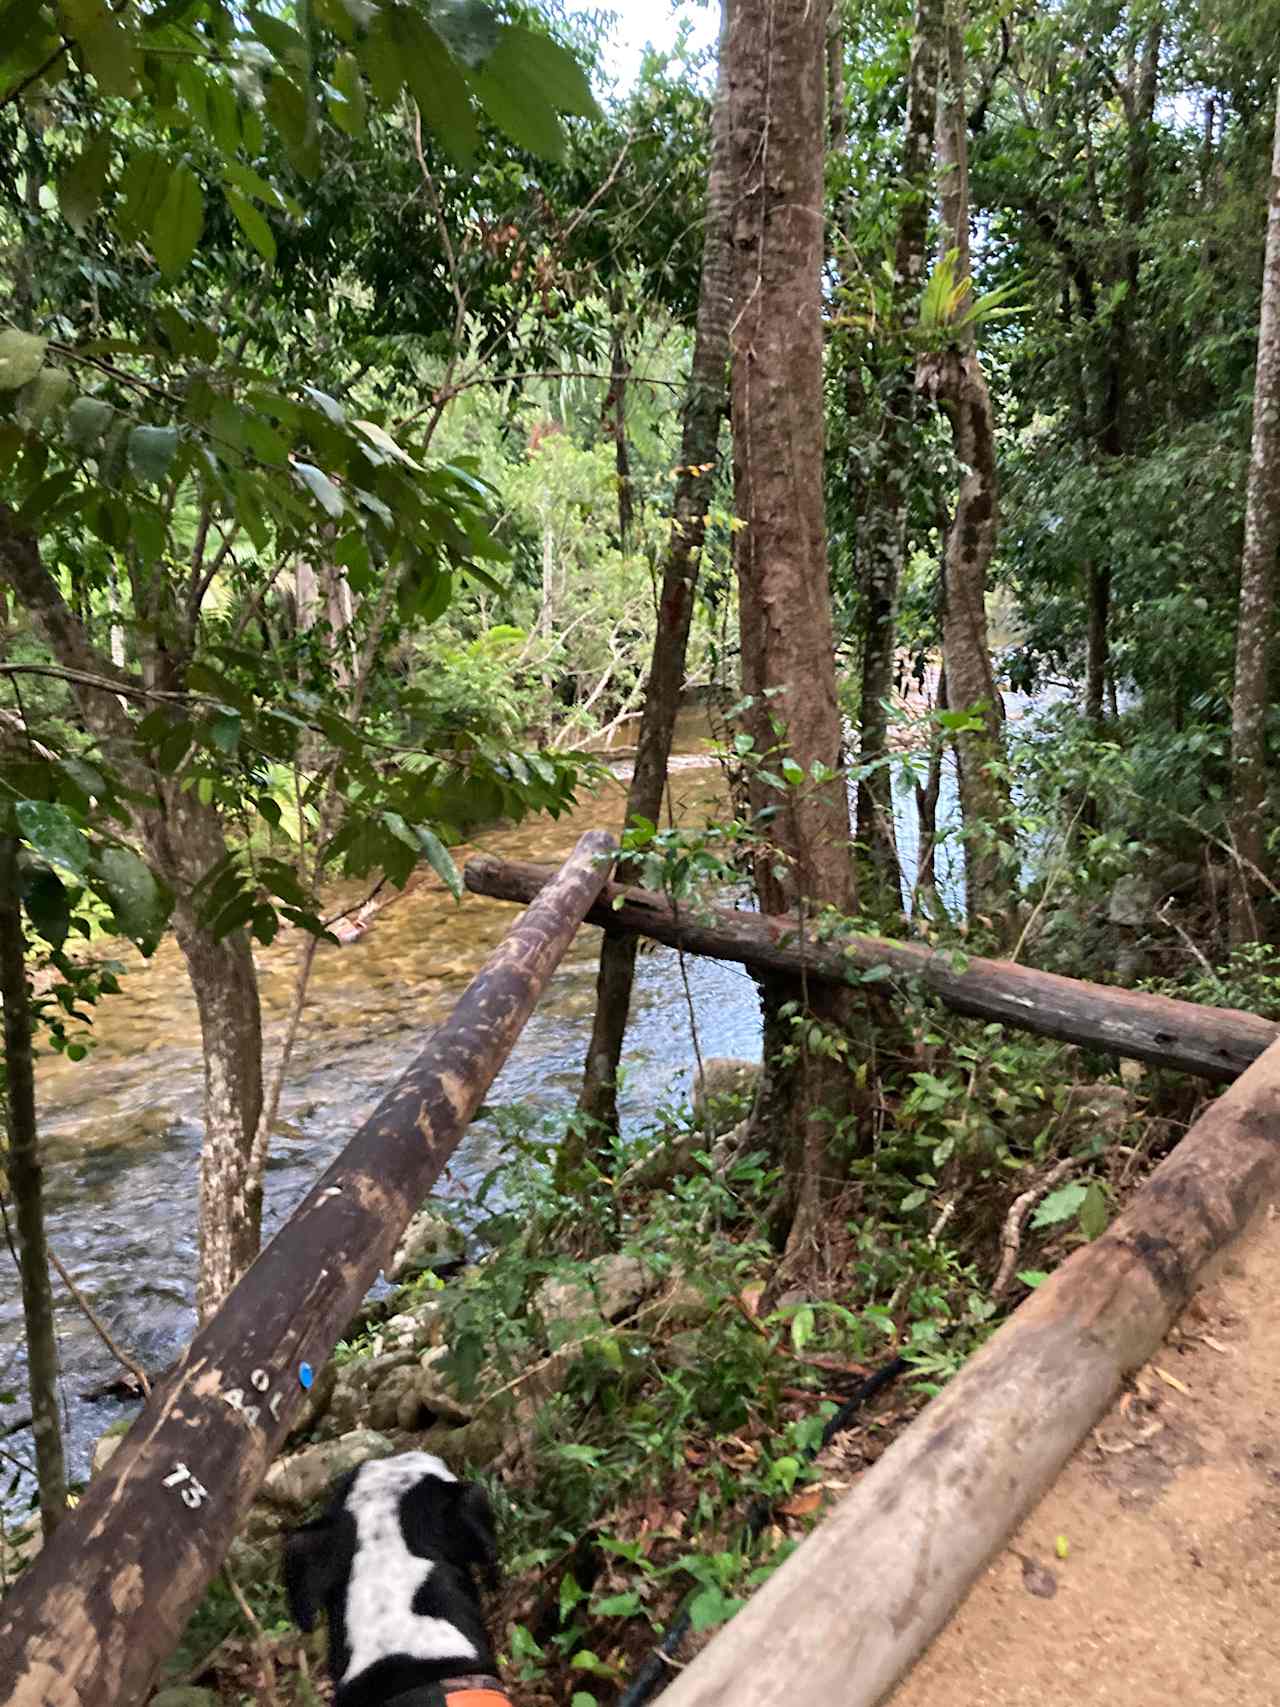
53 832
48 391
469 28
440 860
382 59
282 39
321 487
290 111
142 187
21 358
1094 1212
48 906
108 54
711 1606
1060 1205
253 225
151 451
618 1605
81 185
437 85
1033 1277
552 67
349 111
87 420
515 99
178 221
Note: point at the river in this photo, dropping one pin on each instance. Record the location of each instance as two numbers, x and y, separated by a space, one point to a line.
122 1129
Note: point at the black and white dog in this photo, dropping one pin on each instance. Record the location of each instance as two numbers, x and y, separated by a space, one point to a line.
396 1561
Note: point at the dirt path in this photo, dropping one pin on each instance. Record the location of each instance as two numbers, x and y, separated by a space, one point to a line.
1170 1513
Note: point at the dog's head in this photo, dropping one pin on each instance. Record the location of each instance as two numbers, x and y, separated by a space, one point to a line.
395 1562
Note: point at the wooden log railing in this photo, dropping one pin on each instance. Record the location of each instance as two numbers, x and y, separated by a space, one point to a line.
106 1600
1213 1043
863 1596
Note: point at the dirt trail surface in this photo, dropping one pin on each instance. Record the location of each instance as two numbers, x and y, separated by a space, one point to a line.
1170 1518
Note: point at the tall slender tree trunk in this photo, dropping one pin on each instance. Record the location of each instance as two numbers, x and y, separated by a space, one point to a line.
183 841
704 410
615 414
882 545
1118 384
955 378
26 1187
1257 588
775 58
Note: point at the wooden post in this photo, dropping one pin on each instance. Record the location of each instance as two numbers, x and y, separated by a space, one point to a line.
1213 1043
107 1598
865 1594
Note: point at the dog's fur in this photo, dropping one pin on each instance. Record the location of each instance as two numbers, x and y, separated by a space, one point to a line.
395 1561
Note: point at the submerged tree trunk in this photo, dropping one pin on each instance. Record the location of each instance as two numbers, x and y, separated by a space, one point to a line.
955 378
1257 589
183 840
882 546
703 411
776 97
26 1187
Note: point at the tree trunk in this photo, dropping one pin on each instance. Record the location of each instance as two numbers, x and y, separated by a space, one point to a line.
703 411
882 546
775 59
1183 1037
26 1186
183 841
1097 652
615 414
1257 588
955 378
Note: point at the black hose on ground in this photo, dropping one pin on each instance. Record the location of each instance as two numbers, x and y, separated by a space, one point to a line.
655 1673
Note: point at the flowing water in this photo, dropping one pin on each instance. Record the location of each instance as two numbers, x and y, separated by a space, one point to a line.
122 1129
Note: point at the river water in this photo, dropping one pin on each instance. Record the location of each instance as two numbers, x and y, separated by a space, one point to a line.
122 1129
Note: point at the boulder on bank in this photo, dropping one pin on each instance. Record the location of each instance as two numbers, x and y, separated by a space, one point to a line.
724 1088
428 1242
610 1287
296 1482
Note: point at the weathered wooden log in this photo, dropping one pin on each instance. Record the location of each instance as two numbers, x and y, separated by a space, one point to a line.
862 1597
1213 1043
106 1600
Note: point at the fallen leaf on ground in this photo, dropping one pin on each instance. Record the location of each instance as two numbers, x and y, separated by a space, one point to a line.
802 1505
1215 1345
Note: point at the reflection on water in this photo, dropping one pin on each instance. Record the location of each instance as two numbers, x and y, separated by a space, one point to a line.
122 1130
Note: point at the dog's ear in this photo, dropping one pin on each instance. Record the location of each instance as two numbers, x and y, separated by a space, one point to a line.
478 1532
317 1558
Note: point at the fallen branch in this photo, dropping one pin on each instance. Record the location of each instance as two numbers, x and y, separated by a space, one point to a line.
1016 1220
86 1310
1213 1043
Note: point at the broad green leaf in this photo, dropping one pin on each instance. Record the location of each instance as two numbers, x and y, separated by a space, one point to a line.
382 59
711 1606
178 221
151 451
39 398
440 861
321 487
382 439
326 405
141 906
81 185
515 103
289 110
349 110
48 906
437 85
1094 1214
282 39
53 832
108 54
253 225
251 183
87 420
1060 1205
142 186
21 358
551 67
